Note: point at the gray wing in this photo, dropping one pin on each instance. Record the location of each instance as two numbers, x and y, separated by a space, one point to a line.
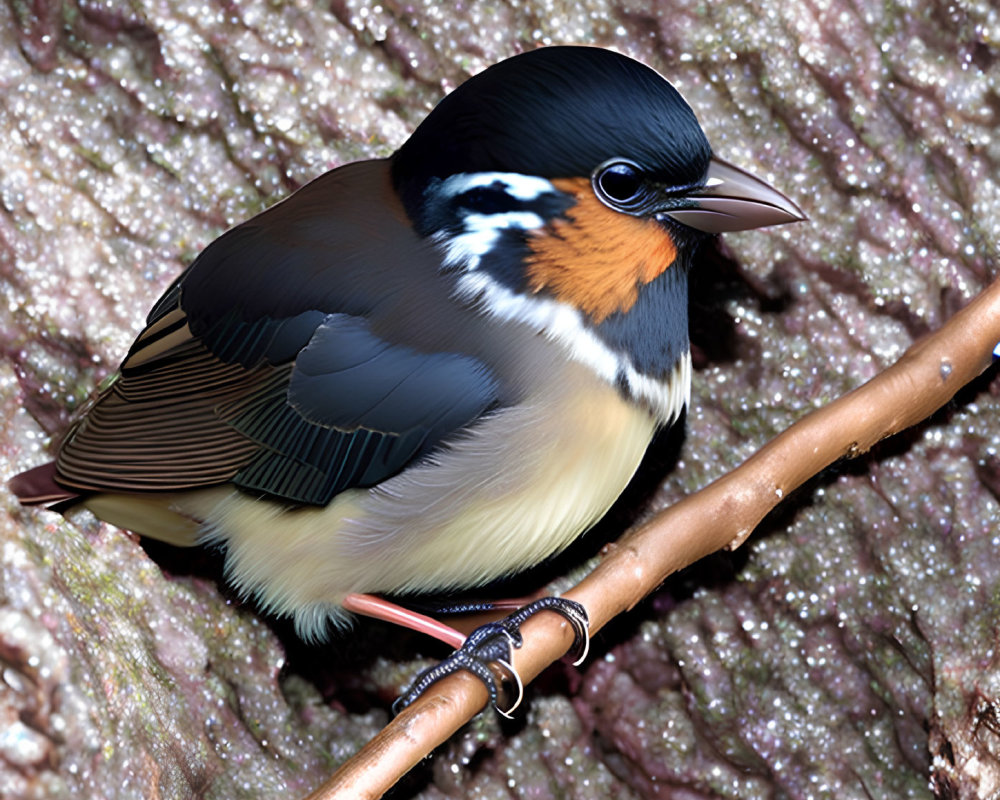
259 365
349 410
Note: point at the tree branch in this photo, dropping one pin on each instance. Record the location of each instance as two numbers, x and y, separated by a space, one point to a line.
722 514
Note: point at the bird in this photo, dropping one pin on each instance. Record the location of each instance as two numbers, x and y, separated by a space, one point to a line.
424 372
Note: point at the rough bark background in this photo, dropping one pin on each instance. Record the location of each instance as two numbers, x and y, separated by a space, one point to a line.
849 650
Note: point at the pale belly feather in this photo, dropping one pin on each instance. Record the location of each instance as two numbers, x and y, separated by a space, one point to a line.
522 485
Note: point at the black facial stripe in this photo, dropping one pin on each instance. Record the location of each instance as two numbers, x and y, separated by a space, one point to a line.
505 261
445 213
494 199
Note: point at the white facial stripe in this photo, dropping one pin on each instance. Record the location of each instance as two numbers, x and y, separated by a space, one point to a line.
480 235
481 231
556 320
520 187
565 325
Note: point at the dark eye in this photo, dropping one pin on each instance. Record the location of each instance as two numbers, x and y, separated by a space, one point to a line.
618 183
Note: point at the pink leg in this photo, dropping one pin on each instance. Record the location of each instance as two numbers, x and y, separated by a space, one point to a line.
370 606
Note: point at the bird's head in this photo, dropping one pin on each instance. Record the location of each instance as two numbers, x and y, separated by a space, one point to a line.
569 188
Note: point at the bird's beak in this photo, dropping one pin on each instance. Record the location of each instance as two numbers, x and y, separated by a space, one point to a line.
734 200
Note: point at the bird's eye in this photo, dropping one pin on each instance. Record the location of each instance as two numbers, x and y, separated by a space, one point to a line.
618 183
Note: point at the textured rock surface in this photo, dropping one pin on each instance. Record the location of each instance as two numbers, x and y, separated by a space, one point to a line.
850 650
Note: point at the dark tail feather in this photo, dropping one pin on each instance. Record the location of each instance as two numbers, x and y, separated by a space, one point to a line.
38 486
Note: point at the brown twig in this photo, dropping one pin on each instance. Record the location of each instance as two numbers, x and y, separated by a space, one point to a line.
721 514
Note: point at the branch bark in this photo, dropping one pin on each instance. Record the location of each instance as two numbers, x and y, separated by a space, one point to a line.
722 514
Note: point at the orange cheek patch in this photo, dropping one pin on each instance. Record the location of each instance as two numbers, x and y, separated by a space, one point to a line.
597 259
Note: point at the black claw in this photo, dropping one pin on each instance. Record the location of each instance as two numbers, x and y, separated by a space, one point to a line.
495 641
574 613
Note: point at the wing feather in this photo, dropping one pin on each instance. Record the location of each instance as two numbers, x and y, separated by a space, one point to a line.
260 365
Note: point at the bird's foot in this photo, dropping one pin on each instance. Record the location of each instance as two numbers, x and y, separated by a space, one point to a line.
494 642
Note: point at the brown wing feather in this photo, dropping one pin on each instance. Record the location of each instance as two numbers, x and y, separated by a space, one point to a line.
38 486
157 427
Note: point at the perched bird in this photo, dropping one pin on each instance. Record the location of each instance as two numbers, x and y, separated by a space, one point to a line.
424 372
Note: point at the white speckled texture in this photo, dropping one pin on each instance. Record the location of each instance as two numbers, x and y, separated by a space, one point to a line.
848 651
